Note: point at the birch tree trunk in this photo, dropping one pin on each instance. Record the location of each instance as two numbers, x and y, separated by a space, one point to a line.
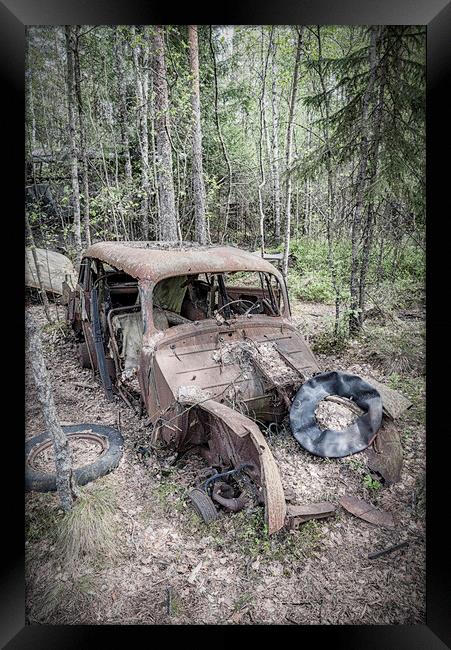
275 147
142 92
263 132
198 172
165 180
81 125
65 482
73 141
289 149
330 185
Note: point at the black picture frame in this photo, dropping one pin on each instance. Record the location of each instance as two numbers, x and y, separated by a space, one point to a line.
436 14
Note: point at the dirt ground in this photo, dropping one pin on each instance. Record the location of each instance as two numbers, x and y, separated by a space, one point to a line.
167 567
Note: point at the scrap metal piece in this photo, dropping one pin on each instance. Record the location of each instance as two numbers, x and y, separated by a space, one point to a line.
55 269
385 455
394 404
363 510
297 515
385 551
239 437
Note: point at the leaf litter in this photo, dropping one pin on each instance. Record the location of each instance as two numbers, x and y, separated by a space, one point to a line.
227 573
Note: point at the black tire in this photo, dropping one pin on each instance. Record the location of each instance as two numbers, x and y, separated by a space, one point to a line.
203 505
110 439
330 443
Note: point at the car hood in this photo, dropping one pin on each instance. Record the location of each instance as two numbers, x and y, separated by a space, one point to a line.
234 361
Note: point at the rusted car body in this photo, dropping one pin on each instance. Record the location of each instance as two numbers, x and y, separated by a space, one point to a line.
212 356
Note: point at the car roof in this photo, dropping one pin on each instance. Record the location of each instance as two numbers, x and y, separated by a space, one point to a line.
158 260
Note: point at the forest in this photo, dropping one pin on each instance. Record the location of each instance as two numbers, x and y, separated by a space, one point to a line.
305 140
301 144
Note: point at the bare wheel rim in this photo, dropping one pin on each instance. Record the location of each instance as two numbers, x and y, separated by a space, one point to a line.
100 441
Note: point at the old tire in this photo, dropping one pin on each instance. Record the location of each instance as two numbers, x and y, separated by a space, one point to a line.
108 438
330 443
203 505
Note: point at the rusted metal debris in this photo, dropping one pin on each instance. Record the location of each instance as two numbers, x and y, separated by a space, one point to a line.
385 455
394 404
55 269
300 514
386 551
363 510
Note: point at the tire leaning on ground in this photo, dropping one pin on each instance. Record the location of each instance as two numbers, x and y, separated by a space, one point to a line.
109 439
329 443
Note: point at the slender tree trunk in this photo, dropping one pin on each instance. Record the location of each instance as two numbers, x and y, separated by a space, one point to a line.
198 173
141 64
330 186
73 141
165 180
82 138
157 225
354 323
223 146
374 159
123 110
43 294
289 149
275 147
65 482
263 131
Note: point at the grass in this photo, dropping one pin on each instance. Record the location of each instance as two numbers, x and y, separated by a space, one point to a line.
398 349
247 531
57 330
414 389
43 518
64 601
242 601
89 531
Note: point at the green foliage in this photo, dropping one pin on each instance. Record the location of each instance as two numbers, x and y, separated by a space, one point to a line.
371 483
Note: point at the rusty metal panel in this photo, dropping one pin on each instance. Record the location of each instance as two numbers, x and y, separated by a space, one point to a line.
385 455
54 269
363 510
240 427
299 514
394 404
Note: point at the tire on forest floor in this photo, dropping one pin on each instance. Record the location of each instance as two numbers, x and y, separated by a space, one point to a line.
108 438
203 505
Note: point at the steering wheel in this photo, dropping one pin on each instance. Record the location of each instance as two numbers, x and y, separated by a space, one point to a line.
234 301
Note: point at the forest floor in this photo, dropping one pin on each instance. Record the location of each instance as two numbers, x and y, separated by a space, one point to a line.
162 565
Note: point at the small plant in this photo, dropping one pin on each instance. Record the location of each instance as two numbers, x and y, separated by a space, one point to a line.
88 531
242 601
371 483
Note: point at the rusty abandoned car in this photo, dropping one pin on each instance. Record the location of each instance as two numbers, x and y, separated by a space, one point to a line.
204 338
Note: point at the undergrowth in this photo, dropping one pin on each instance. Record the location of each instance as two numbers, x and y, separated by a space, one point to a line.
89 531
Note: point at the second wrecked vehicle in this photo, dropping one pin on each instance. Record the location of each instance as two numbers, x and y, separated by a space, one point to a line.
204 336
